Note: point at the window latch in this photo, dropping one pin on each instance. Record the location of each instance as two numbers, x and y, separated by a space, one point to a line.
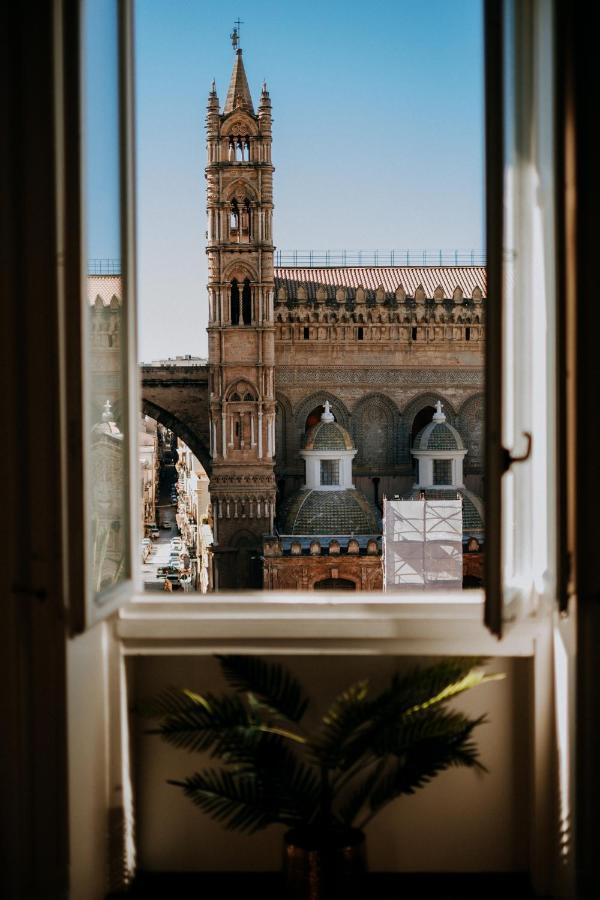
507 459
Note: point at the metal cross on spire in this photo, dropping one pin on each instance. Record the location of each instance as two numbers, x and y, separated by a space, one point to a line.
235 34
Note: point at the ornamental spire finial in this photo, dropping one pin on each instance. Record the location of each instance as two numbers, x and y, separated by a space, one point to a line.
327 415
438 415
235 34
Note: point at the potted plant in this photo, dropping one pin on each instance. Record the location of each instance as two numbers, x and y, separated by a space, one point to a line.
324 786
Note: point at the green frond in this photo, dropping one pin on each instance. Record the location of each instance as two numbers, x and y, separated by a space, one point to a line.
349 712
416 694
170 701
215 725
356 798
269 683
238 801
421 763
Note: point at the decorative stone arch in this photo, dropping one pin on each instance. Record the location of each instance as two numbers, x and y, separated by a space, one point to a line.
240 270
284 418
346 582
240 188
242 387
376 431
338 408
193 441
239 124
409 413
471 425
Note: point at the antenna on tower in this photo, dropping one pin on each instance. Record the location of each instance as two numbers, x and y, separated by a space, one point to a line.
235 34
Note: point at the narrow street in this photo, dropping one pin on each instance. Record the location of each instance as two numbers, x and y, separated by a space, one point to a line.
161 547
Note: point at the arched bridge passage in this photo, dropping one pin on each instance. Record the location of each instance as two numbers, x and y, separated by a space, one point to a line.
178 398
196 445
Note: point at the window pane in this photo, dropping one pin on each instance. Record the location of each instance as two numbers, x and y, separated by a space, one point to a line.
330 471
442 471
377 354
107 425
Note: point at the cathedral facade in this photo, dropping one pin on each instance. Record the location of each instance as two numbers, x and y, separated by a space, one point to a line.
379 345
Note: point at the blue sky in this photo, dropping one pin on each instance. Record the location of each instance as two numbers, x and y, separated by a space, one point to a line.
377 136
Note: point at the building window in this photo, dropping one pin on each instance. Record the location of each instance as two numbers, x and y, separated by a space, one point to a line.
306 334
330 471
442 471
235 303
360 334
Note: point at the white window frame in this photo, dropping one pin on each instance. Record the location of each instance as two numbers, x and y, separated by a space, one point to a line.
527 582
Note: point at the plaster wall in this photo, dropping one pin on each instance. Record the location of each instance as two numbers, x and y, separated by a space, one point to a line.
462 821
88 747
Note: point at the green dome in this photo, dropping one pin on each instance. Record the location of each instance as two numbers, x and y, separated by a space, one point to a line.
328 436
438 436
329 512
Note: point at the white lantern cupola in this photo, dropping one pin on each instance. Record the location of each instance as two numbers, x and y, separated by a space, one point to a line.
439 451
328 453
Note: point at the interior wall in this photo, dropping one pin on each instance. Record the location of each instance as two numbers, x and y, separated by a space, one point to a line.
462 821
87 659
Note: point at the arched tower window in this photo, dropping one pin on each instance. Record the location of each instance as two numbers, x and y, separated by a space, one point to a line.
234 218
246 303
235 303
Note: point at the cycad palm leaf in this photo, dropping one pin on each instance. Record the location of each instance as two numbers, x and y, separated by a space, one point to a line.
273 685
215 724
348 713
235 799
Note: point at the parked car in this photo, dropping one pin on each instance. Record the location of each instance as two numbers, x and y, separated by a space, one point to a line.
166 525
154 534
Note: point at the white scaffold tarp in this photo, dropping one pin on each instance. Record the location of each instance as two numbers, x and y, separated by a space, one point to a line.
422 544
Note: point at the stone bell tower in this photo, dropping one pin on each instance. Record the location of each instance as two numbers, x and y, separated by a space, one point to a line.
240 248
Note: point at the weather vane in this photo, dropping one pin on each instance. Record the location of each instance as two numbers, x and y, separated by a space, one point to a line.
235 34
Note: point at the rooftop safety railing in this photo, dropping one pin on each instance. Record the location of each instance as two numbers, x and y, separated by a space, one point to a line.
104 266
324 258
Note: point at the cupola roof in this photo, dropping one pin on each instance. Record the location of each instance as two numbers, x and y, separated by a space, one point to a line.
311 512
438 434
327 434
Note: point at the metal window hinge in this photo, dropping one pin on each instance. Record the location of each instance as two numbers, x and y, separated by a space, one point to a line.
507 459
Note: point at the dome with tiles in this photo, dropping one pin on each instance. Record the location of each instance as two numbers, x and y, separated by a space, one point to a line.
329 512
327 434
438 434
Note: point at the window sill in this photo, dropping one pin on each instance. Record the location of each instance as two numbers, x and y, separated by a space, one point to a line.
448 624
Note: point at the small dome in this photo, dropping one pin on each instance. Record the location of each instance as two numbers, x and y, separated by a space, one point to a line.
329 512
327 434
439 434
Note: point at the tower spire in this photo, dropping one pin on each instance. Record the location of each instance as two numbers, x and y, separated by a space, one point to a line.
238 94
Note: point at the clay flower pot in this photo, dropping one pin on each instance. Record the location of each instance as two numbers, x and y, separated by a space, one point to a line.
324 864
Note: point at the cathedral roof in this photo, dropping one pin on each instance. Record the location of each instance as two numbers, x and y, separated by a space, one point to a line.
238 95
327 436
105 287
390 278
329 512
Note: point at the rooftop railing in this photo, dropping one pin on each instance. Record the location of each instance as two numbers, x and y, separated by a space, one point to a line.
324 258
104 266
